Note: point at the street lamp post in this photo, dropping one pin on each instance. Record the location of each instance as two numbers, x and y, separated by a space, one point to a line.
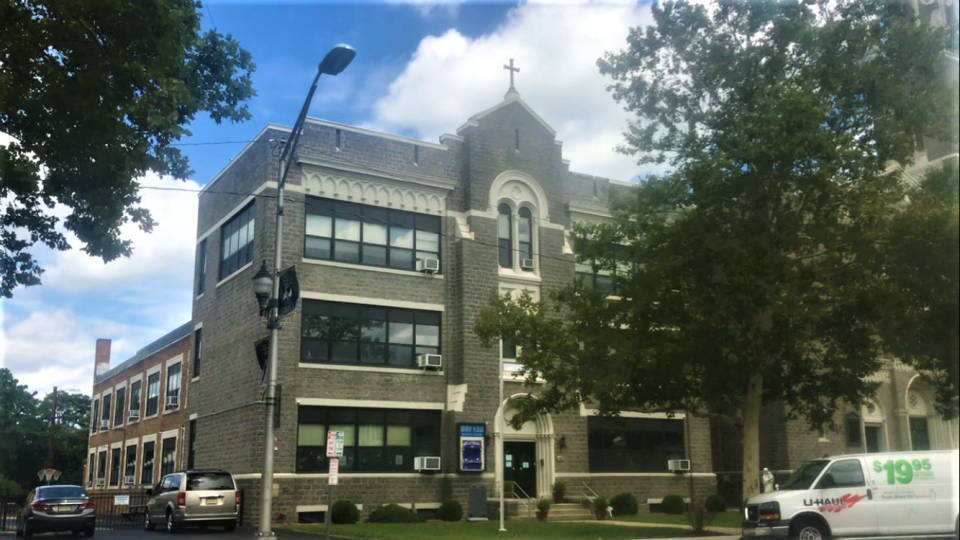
266 287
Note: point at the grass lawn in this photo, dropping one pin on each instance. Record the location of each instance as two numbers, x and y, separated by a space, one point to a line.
526 530
726 519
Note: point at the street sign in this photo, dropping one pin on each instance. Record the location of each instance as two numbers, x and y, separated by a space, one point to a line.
262 348
334 444
289 292
334 471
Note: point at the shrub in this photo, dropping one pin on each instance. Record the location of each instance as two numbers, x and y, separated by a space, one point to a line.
393 513
543 505
716 504
624 504
450 511
344 513
673 504
600 503
559 487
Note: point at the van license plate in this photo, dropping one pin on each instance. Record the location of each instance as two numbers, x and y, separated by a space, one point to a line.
210 501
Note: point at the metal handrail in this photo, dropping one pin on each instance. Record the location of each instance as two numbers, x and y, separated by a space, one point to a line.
586 500
523 502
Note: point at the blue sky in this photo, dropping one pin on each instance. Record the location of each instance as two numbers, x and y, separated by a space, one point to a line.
421 70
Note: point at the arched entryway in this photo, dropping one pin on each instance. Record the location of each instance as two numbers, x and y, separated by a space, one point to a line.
530 450
926 429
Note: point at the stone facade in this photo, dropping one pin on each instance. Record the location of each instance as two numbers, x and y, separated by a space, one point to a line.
506 154
130 427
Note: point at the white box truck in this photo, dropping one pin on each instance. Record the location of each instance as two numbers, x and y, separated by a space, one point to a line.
888 495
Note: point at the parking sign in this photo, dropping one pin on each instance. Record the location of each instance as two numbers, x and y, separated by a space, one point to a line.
334 444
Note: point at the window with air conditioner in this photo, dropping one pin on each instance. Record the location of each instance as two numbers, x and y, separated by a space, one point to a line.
633 444
115 467
120 407
168 455
105 412
102 468
130 466
134 413
173 387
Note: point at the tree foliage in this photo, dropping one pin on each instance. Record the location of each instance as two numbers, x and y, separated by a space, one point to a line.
761 269
94 94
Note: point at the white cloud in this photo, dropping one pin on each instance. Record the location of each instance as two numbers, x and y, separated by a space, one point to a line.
451 77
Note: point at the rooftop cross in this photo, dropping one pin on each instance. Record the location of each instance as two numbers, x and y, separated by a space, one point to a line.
512 70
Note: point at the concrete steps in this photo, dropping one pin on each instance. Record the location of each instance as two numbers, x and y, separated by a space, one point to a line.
558 512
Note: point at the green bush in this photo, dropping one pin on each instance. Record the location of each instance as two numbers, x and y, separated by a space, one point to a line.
559 487
600 503
624 504
450 511
673 504
543 505
344 513
393 513
716 504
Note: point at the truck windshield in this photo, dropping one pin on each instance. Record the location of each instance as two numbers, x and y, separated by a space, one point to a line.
804 477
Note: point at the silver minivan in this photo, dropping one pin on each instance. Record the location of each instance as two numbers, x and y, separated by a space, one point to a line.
194 498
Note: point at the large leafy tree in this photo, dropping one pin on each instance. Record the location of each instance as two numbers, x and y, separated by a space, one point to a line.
94 94
758 270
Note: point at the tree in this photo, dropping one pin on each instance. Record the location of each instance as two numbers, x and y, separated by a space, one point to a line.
95 94
71 435
756 271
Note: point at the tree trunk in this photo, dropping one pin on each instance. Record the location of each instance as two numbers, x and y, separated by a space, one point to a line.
751 437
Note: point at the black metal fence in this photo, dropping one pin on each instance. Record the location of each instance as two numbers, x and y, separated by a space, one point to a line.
9 509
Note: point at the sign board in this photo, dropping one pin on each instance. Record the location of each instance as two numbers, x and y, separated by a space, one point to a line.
472 441
334 444
263 354
334 471
121 500
289 292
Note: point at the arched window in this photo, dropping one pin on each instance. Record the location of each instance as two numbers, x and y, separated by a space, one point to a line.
525 235
505 235
919 426
854 428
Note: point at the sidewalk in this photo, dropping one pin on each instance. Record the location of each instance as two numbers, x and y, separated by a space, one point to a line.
725 532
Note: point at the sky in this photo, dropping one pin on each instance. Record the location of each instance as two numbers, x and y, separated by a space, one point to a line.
421 70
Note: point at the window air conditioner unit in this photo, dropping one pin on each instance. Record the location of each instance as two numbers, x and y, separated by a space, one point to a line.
426 463
134 415
526 264
428 266
129 480
101 481
432 361
104 423
173 402
678 465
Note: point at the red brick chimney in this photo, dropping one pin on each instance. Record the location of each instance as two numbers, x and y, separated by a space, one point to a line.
102 359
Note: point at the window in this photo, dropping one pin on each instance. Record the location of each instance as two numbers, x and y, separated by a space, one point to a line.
598 280
201 266
135 397
508 349
130 469
505 235
96 416
91 465
115 467
192 447
101 467
919 433
357 334
525 234
153 394
119 411
105 413
197 349
375 440
633 444
146 474
168 455
173 387
853 430
236 242
843 474
360 234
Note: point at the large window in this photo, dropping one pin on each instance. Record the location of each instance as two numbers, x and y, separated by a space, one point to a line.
130 467
375 440
525 234
115 467
919 433
505 236
201 266
153 394
146 474
633 444
91 465
360 234
236 242
197 350
135 397
101 467
352 334
96 416
105 412
168 456
120 411
173 387
598 280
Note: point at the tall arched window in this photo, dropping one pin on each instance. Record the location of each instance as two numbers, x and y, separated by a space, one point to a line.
525 235
505 235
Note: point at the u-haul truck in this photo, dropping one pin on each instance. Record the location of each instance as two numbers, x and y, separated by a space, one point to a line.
895 494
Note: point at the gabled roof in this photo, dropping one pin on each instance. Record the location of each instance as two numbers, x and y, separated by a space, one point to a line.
511 97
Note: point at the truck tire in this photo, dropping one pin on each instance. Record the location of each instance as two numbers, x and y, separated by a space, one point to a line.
808 529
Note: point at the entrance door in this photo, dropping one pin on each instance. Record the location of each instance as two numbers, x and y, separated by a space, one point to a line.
520 467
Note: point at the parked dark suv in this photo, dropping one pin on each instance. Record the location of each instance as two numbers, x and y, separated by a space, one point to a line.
57 509
199 497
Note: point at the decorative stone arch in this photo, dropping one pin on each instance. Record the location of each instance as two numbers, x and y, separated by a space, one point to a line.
539 431
873 415
519 187
918 401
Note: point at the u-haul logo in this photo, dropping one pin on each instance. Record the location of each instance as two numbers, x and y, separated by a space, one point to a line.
835 505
